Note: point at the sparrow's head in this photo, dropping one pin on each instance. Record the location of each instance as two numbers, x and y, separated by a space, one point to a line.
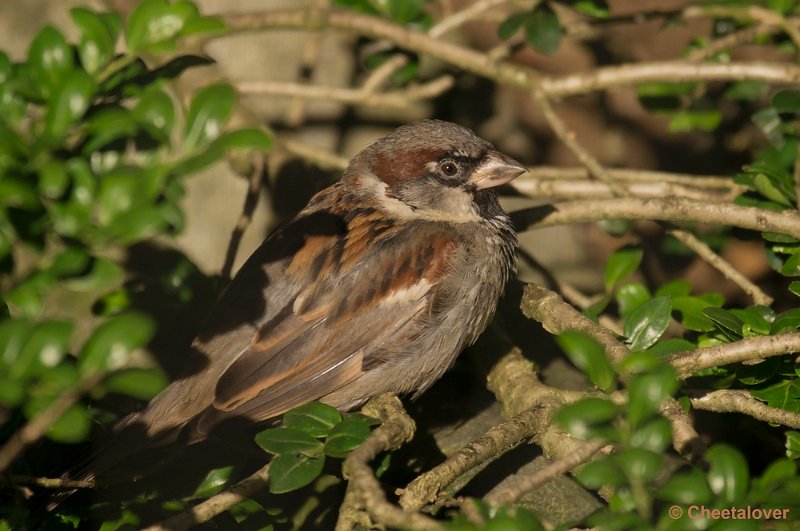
435 169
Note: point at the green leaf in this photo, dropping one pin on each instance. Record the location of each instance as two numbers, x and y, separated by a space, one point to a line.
346 436
70 101
589 356
647 391
692 316
777 472
291 472
728 475
405 11
208 113
244 139
647 323
787 101
543 30
588 417
103 274
213 483
676 288
289 441
639 464
120 191
593 8
111 343
511 25
155 22
670 346
786 322
758 373
621 264
53 179
695 120
96 48
140 383
601 472
631 296
725 320
44 348
155 110
314 418
72 427
50 59
766 187
793 444
655 435
686 488
794 287
784 394
13 334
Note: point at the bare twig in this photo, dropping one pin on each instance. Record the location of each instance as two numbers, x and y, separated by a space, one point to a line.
248 208
37 427
720 264
216 504
498 440
675 209
739 401
52 483
796 177
524 484
461 17
751 348
359 97
396 428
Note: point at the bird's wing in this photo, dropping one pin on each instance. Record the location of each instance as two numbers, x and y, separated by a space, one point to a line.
358 289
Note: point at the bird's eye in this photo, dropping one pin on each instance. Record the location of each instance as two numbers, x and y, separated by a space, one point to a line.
449 168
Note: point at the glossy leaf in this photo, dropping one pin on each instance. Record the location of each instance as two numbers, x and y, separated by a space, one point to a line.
670 346
728 475
647 323
213 483
676 288
786 322
53 179
44 348
96 46
13 334
631 296
784 394
209 111
725 320
686 488
589 356
543 30
601 472
154 22
639 464
346 436
655 435
70 101
582 418
647 391
72 427
511 25
289 441
621 264
315 419
155 109
111 343
50 59
691 316
139 383
291 472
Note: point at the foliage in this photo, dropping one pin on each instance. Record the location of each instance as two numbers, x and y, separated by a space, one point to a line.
93 152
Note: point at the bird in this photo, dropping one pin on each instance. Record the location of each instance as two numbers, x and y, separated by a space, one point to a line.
375 286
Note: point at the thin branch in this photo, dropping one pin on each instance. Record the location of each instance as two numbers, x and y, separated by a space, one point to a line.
461 17
359 96
37 427
512 492
720 264
254 183
396 428
676 209
739 401
494 443
556 316
751 348
216 504
52 483
535 187
715 182
509 74
327 160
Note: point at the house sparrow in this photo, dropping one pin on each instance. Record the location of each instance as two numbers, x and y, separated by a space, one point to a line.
375 286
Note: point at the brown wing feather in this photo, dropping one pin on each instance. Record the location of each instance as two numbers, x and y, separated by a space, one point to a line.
321 340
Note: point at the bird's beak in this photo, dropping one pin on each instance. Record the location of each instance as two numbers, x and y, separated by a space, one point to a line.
496 169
